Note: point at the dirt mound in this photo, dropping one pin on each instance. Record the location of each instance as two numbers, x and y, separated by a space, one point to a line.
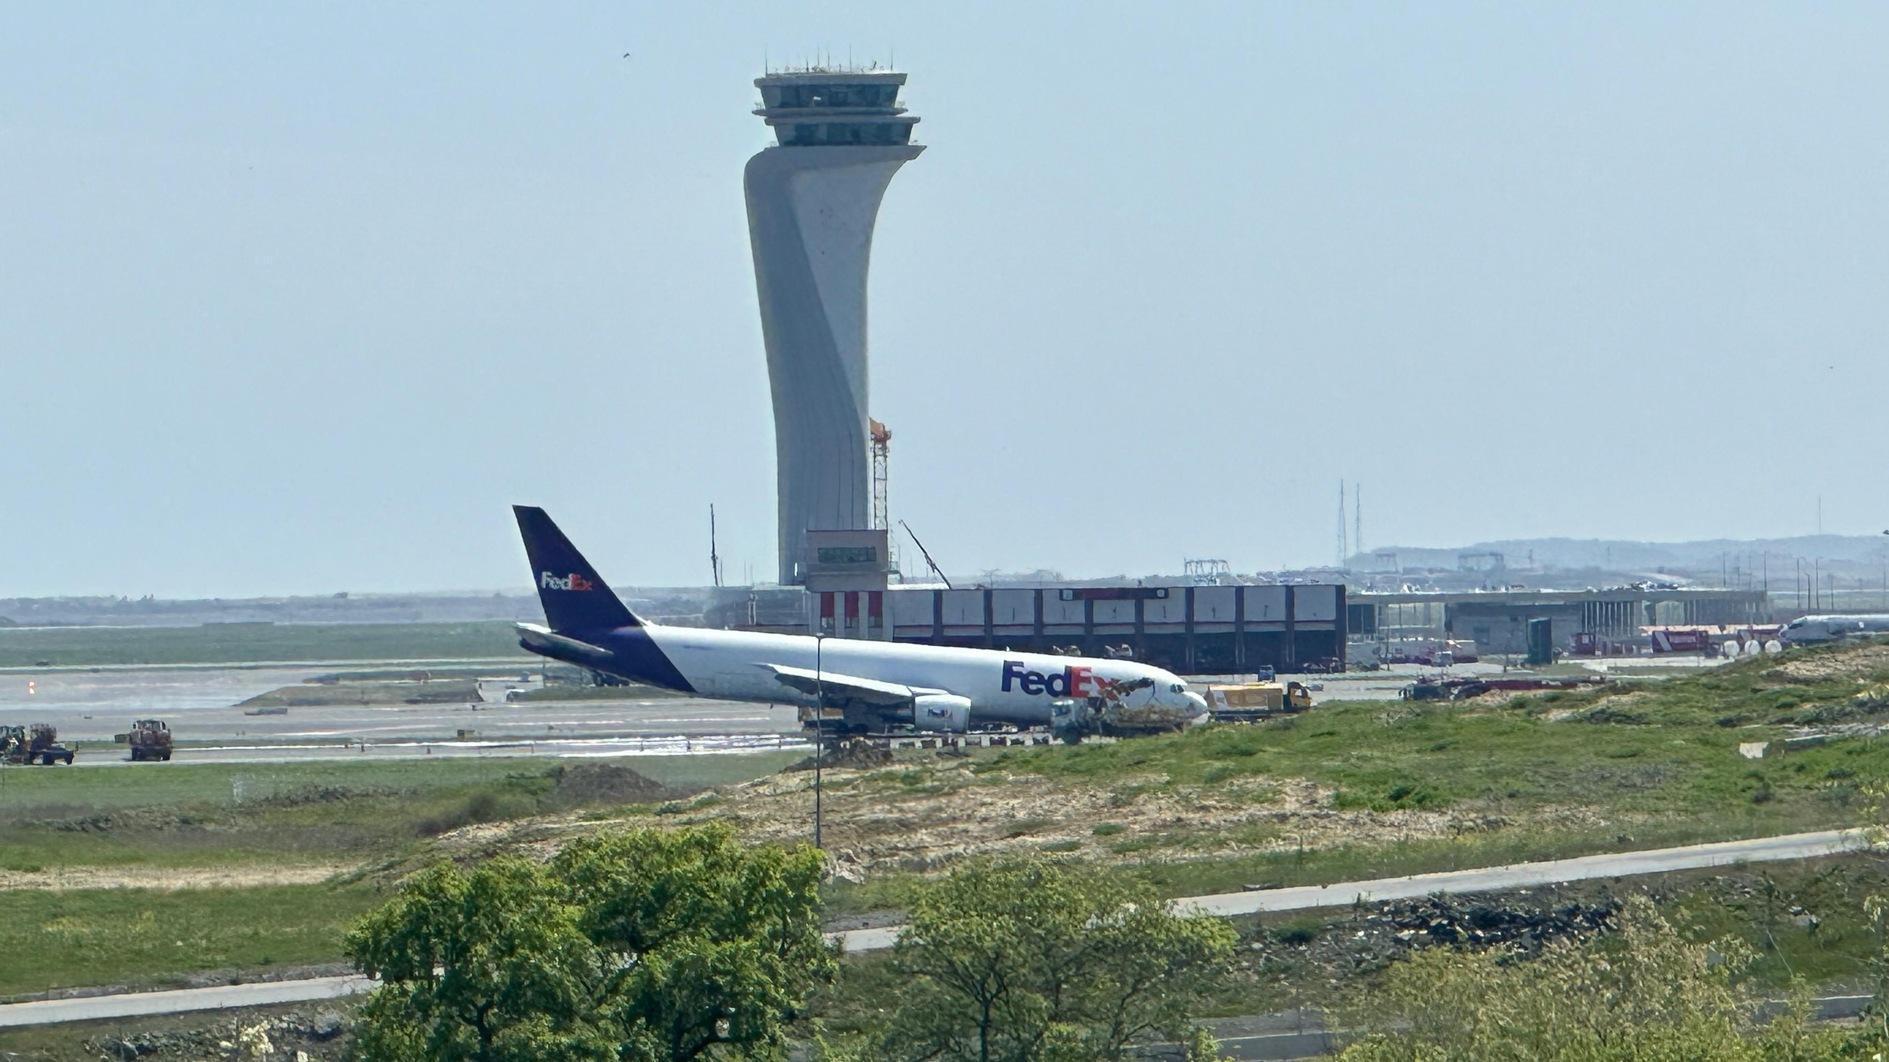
608 783
855 755
317 695
1850 661
57 879
924 815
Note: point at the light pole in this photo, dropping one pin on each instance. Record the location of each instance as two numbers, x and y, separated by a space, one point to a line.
819 731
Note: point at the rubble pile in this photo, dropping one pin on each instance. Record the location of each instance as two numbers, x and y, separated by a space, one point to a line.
1378 934
1441 920
856 754
301 1036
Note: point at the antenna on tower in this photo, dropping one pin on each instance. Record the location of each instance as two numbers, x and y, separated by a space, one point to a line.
1357 518
1343 552
714 559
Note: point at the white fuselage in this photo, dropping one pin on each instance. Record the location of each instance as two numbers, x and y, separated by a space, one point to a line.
1002 686
1812 630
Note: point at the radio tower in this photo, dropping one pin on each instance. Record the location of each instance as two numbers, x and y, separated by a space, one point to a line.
881 455
1342 551
881 447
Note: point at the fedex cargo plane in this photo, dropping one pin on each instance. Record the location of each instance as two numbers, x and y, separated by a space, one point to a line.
1815 630
874 685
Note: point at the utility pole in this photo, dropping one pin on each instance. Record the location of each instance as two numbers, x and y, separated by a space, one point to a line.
819 732
714 561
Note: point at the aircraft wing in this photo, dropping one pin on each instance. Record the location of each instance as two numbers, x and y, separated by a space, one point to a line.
852 687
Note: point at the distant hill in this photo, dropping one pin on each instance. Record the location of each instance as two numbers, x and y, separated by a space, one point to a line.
1629 555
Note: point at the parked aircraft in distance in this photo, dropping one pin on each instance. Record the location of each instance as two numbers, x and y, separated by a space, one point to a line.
1814 630
873 685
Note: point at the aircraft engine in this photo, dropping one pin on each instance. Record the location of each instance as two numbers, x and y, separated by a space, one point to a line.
941 711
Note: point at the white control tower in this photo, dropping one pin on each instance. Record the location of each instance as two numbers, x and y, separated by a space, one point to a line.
812 200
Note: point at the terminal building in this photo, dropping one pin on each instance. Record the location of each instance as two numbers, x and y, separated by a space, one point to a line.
1497 620
1197 630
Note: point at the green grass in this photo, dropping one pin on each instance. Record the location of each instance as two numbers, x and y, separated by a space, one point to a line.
183 783
1668 753
255 643
137 937
1522 783
229 784
168 817
1827 945
182 815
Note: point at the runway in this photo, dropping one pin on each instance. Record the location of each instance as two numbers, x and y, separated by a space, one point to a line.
201 706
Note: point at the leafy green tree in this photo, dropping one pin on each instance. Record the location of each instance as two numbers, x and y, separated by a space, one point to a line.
642 945
1644 992
1028 959
711 941
489 965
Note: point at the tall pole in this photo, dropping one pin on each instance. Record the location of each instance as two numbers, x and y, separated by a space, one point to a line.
819 731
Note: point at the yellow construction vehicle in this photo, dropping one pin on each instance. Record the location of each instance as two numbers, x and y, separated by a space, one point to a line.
1251 701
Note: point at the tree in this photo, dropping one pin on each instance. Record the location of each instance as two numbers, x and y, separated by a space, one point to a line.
1027 959
711 941
641 945
1643 992
488 966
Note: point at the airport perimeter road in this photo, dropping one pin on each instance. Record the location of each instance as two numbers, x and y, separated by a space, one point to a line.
1518 875
1487 879
178 1001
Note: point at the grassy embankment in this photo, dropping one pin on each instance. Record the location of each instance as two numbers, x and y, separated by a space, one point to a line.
1347 791
237 644
1406 788
181 827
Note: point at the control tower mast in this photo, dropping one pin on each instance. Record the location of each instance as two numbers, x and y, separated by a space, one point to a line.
812 200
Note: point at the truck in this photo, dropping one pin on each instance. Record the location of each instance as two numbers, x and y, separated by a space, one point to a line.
37 743
150 739
1251 701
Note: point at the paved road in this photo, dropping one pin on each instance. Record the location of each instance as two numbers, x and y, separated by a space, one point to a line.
1487 879
1519 875
177 1001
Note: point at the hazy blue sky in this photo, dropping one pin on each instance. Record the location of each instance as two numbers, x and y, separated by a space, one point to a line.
298 300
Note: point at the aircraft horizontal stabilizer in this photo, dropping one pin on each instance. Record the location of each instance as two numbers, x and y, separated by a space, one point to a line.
547 642
852 687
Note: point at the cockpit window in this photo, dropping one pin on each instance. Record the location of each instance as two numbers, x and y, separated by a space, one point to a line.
1177 688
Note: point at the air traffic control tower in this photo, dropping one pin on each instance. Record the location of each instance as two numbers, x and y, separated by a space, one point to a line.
812 200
